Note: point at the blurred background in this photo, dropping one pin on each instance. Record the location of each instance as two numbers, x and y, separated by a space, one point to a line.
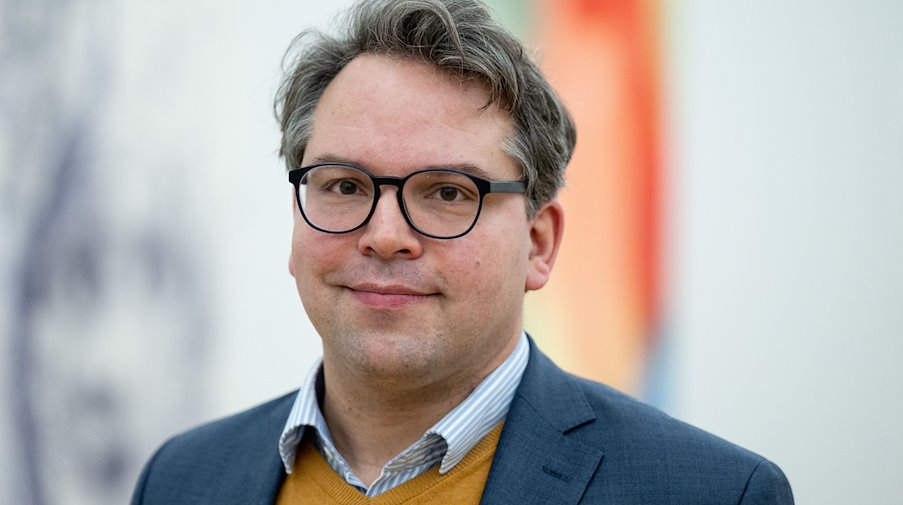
733 254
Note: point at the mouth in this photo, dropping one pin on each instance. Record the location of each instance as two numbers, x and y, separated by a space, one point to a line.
388 296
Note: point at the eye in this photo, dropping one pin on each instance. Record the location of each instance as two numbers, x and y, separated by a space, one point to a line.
336 181
347 187
448 193
441 187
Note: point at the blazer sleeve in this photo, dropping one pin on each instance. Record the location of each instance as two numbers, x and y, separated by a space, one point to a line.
767 485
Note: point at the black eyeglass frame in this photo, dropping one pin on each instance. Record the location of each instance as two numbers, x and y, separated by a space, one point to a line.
484 187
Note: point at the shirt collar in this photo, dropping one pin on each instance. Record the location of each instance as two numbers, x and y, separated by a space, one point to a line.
461 429
305 412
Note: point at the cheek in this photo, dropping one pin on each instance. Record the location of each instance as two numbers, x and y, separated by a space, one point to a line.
296 261
487 267
312 255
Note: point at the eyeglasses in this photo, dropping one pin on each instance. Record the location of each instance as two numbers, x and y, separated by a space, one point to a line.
438 203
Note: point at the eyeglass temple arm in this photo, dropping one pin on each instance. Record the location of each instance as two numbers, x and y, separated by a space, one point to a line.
507 187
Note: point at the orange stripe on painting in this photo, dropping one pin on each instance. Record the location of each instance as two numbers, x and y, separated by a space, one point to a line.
599 312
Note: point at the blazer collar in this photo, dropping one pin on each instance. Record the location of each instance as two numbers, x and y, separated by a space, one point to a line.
538 460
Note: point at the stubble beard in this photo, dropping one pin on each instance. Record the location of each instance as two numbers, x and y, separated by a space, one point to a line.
389 354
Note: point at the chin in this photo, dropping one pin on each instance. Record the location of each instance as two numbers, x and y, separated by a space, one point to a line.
393 356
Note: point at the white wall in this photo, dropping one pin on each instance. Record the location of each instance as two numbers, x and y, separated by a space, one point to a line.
786 140
785 243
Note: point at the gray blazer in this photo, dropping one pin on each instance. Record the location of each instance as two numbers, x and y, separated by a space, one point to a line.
566 441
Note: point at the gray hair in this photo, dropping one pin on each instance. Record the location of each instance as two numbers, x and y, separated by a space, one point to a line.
460 38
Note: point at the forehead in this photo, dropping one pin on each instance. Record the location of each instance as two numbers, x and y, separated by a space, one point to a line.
396 115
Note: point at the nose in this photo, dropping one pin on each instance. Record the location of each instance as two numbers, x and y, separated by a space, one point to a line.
388 234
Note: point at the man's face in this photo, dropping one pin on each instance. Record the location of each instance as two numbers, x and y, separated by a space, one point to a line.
389 303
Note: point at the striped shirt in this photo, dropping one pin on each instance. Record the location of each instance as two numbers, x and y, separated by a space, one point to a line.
445 444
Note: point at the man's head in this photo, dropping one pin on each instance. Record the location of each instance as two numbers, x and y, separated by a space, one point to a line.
459 38
419 86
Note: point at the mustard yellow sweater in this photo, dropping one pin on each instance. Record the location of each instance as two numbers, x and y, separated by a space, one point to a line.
314 481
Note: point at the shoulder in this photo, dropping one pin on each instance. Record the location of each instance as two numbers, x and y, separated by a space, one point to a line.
688 460
208 458
624 422
640 443
603 416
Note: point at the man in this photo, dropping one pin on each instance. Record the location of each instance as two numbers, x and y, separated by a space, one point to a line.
425 151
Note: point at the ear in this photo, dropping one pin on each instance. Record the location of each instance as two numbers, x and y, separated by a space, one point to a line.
546 231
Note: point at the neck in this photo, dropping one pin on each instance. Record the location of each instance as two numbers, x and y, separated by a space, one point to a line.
373 421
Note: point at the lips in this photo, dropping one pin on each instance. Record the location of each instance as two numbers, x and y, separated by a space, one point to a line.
388 296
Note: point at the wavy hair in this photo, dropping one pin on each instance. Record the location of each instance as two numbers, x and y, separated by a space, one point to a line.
460 38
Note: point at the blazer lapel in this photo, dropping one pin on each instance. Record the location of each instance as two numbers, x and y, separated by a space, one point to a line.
537 461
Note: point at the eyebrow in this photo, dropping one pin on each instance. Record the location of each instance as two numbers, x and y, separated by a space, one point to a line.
468 168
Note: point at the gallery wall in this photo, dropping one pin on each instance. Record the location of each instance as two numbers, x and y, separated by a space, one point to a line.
146 221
